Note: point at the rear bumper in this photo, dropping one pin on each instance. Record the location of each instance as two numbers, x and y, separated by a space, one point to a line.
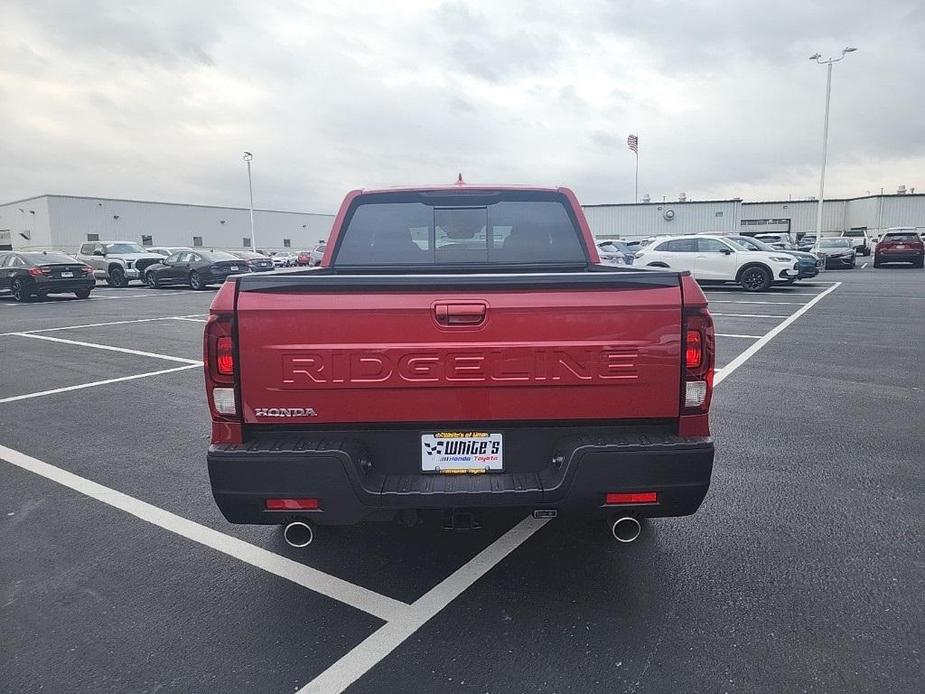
912 256
56 286
244 476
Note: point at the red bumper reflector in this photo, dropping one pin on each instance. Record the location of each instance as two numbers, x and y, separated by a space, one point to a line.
291 504
631 498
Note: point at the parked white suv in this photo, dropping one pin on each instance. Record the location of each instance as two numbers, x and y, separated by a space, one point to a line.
716 259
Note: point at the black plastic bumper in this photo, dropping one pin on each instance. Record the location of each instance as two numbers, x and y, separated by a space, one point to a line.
349 486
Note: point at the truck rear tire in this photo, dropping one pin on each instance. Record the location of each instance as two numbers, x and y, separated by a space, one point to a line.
82 293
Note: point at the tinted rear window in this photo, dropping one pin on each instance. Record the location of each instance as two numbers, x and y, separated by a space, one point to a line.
440 230
49 258
901 237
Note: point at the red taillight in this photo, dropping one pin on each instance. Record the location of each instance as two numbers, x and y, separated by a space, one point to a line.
36 271
631 498
699 355
224 355
292 504
87 269
694 350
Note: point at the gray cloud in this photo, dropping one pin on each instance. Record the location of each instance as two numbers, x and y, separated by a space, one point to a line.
157 100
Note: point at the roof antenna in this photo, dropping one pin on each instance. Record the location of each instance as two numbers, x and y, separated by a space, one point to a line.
459 180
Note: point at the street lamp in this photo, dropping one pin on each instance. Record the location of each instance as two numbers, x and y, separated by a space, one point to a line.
250 185
825 133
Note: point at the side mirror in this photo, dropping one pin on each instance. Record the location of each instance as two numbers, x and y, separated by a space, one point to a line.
99 253
726 251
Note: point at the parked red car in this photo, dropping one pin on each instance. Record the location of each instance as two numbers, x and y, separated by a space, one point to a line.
460 348
305 258
900 246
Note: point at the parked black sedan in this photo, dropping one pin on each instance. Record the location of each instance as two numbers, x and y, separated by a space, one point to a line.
197 269
37 274
257 261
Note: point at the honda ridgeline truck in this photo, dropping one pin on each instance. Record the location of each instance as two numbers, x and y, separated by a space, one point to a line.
459 348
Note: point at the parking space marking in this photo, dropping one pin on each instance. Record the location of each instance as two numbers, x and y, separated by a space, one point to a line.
363 599
864 266
192 320
770 335
778 293
749 337
747 315
763 303
109 348
99 325
365 655
93 384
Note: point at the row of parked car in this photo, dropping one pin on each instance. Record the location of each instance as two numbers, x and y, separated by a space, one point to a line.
26 275
756 262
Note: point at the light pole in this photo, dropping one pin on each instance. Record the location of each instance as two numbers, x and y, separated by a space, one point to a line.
825 134
250 185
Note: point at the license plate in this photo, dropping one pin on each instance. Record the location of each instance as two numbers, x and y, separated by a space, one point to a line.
900 245
234 267
450 452
67 274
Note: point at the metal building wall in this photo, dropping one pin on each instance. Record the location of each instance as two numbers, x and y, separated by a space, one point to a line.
650 219
72 218
904 211
801 213
863 212
25 224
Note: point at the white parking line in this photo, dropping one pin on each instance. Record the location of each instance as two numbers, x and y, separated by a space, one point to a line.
368 601
98 325
764 303
193 320
770 335
108 348
386 639
747 315
54 391
749 337
780 294
864 266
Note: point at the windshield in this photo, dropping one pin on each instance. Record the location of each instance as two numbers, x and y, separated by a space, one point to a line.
752 244
834 243
213 256
736 245
503 228
124 248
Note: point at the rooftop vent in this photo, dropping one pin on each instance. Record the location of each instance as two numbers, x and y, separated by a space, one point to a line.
901 190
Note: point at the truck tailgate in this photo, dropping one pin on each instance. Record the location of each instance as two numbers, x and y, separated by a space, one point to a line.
317 352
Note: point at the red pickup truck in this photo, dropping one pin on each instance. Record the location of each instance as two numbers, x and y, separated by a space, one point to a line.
460 347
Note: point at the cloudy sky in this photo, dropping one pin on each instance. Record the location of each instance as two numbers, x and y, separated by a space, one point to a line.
157 100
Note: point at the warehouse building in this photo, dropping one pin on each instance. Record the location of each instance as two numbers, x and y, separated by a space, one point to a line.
66 221
873 213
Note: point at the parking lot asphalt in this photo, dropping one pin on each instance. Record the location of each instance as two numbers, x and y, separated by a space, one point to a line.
801 571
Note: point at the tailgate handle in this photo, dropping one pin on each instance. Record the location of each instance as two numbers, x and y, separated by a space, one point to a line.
460 314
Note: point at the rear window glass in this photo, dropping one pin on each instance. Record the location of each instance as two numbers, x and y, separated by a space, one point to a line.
46 258
853 233
505 231
908 236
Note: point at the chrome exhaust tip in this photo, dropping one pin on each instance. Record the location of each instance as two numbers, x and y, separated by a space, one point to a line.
298 534
626 529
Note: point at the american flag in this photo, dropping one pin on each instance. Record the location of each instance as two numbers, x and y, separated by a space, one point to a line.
633 143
